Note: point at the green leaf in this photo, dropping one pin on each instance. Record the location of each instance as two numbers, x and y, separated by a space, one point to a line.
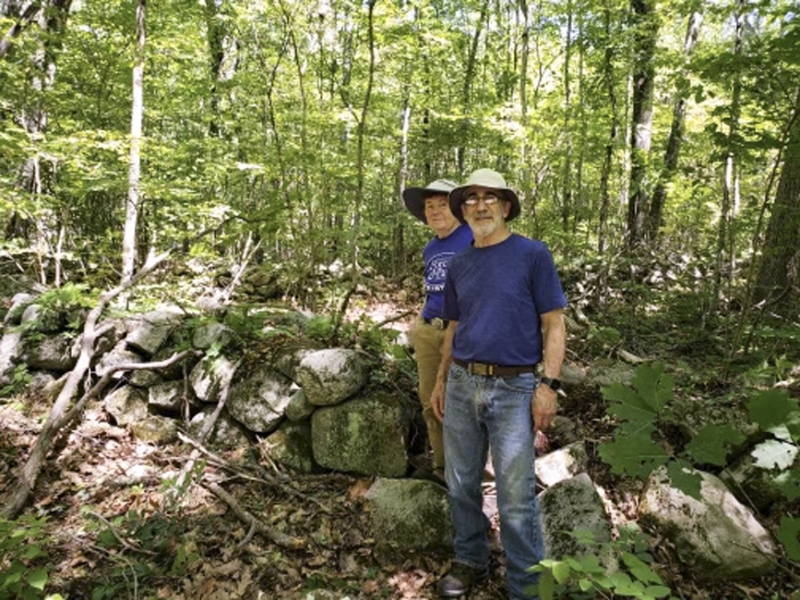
626 404
624 585
640 569
561 572
635 455
712 442
37 578
771 408
774 453
789 536
685 478
789 483
657 591
546 587
653 385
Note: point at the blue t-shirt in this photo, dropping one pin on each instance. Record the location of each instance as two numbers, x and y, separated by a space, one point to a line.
437 255
496 293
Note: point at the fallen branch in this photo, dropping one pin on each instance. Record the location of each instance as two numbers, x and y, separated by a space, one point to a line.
61 414
208 426
281 539
264 478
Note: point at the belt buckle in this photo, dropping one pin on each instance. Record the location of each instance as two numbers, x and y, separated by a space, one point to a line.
481 369
437 323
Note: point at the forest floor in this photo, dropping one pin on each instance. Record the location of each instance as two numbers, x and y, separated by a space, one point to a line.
112 531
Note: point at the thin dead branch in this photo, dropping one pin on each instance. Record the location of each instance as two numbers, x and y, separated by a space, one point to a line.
61 414
281 539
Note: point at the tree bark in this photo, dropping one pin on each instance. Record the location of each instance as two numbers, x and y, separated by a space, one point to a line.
778 282
134 171
608 154
645 36
672 153
730 184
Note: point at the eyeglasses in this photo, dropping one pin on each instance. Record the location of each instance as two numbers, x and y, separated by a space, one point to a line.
489 199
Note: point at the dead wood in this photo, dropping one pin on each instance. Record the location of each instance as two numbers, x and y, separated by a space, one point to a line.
61 414
281 539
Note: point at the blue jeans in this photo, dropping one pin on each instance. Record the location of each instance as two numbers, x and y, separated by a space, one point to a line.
483 412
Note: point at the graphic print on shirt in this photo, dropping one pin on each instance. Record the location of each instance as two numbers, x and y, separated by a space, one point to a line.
435 272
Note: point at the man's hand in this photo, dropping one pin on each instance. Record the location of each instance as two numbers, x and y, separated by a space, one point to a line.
437 400
543 407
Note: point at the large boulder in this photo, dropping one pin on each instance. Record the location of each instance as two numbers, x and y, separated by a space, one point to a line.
299 408
210 375
126 405
148 332
290 446
227 432
561 464
258 402
155 429
408 516
119 355
51 353
332 375
11 348
366 435
19 303
717 535
569 506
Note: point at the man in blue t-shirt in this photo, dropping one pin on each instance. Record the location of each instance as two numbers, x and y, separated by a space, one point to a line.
505 306
430 205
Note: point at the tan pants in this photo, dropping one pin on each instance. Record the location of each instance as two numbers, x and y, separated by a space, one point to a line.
428 342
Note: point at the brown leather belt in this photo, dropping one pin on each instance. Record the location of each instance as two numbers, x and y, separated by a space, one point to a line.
486 370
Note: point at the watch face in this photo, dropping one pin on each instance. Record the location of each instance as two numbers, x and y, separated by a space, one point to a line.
554 384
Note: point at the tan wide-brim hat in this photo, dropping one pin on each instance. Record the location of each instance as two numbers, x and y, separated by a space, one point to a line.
414 197
488 179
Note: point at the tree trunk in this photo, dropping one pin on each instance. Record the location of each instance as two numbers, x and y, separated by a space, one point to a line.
134 172
362 134
730 185
778 282
26 17
608 155
566 194
675 140
645 24
469 75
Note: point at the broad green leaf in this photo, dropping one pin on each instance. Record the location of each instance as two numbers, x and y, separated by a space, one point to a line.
653 385
626 404
685 478
590 564
624 585
789 536
561 572
774 453
657 591
546 587
640 569
37 579
771 408
789 483
634 455
712 442
585 585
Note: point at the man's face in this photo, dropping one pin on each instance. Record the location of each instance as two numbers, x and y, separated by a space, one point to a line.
485 210
438 215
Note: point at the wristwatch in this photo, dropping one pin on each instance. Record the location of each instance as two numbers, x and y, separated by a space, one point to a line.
553 384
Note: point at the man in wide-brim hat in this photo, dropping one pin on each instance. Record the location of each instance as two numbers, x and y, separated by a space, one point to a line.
430 205
505 306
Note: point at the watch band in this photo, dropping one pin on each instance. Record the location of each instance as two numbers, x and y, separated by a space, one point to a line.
551 382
